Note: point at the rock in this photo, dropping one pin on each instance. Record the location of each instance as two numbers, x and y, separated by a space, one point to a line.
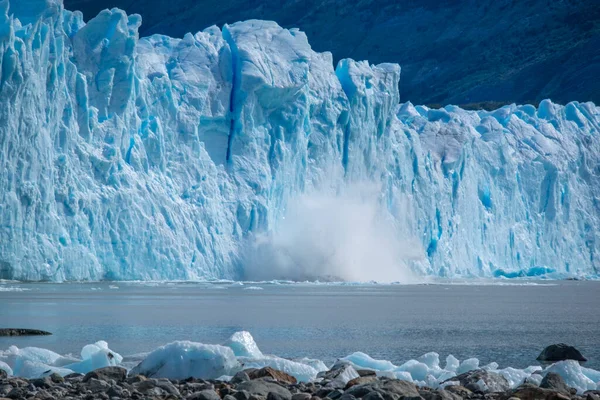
302 396
339 375
97 386
118 374
366 372
75 376
347 397
472 380
592 396
3 374
389 388
360 381
460 391
115 391
156 387
534 393
240 377
204 395
373 396
22 332
5 389
275 396
242 395
42 383
560 352
268 372
56 378
262 388
335 394
555 382
136 379
17 393
439 394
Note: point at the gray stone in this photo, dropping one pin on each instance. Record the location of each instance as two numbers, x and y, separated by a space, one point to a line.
204 395
97 386
366 372
3 374
262 388
118 374
242 395
555 382
439 394
302 396
389 389
494 381
276 396
239 378
5 389
373 396
560 352
335 394
43 383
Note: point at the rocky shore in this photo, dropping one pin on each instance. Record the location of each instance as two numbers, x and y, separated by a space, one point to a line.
112 383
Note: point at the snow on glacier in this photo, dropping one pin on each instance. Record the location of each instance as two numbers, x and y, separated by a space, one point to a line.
161 158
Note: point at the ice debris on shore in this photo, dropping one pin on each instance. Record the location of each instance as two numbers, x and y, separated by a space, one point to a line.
183 359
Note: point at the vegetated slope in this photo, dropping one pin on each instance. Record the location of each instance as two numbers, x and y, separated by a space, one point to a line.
458 51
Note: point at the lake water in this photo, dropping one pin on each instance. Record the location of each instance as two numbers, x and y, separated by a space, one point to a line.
503 322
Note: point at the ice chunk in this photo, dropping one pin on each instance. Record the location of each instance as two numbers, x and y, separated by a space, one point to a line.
6 368
243 345
467 365
95 356
574 375
184 359
362 360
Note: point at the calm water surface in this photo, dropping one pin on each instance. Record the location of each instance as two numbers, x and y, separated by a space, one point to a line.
503 323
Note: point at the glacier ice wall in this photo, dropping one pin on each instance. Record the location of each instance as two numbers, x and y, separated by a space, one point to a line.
156 158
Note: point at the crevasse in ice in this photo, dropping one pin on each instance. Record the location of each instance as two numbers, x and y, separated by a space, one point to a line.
159 158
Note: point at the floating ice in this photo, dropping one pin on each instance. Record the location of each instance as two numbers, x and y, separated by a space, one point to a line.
156 158
243 345
180 360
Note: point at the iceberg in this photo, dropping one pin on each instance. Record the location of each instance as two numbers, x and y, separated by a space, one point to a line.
157 158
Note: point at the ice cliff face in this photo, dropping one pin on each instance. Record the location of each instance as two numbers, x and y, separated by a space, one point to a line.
157 158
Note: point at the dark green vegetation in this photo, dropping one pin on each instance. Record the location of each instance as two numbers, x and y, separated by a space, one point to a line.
456 51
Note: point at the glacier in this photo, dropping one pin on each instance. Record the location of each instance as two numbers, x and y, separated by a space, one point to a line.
157 158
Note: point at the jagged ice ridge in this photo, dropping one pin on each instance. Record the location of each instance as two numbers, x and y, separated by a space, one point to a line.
161 158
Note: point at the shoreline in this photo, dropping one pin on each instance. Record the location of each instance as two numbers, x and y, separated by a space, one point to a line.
341 382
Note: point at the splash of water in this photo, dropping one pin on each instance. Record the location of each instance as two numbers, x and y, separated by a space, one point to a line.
343 236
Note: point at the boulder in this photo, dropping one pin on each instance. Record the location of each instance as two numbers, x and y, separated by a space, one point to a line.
118 374
301 396
360 381
240 377
439 394
204 395
263 388
560 352
534 393
394 387
3 374
339 375
555 382
480 380
366 372
268 372
458 390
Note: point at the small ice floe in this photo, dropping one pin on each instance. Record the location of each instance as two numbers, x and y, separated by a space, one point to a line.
253 288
